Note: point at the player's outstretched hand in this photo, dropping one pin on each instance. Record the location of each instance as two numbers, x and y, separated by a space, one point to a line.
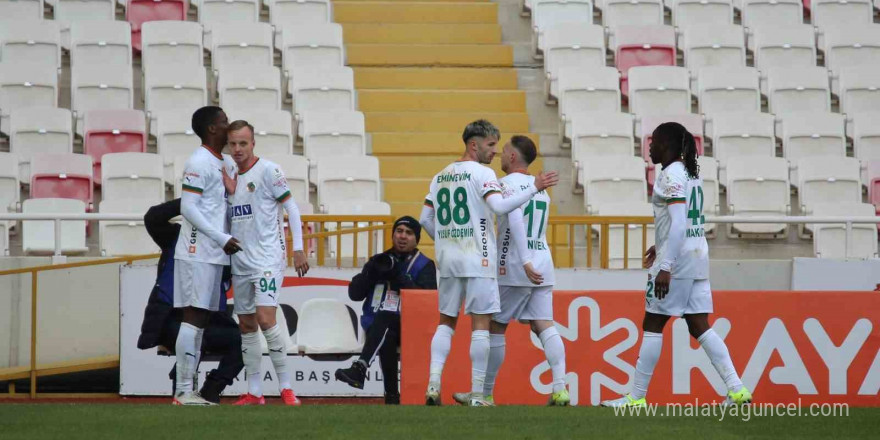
661 284
534 276
546 180
649 258
301 263
232 246
229 182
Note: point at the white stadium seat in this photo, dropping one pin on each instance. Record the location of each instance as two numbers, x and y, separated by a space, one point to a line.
572 45
242 44
601 134
829 240
697 12
317 44
100 87
9 196
727 89
659 89
633 232
125 237
851 12
174 137
216 13
174 87
25 85
798 89
808 134
848 45
859 89
328 135
296 171
250 87
757 186
171 43
30 41
38 236
632 12
273 129
133 176
609 179
37 130
100 43
587 90
322 89
20 10
769 13
548 13
68 12
283 12
346 247
714 45
866 140
742 134
711 191
349 178
326 326
828 179
785 46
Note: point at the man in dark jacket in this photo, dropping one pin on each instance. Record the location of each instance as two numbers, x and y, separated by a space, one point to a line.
379 285
162 320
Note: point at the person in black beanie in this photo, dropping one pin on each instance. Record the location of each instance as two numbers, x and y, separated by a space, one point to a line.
379 285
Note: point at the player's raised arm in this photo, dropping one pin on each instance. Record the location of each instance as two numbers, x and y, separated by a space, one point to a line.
518 235
426 219
502 206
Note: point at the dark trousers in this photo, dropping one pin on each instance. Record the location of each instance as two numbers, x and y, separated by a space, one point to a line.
222 338
383 339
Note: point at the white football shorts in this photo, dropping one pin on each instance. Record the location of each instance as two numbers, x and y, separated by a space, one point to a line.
250 291
197 284
685 297
524 303
480 296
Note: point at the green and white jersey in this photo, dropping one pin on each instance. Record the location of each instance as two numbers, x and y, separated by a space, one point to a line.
464 237
673 185
535 217
256 215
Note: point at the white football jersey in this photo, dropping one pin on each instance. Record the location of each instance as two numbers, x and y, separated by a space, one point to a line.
673 185
202 176
257 216
535 217
464 237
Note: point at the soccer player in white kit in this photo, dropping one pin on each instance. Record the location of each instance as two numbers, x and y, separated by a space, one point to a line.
258 269
678 278
525 273
203 247
458 216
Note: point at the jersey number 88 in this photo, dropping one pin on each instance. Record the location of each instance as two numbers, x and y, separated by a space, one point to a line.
458 212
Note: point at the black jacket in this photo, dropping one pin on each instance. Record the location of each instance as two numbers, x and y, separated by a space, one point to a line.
160 306
363 284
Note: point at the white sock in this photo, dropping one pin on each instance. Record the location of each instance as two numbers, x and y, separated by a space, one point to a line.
555 352
252 356
479 359
278 354
649 352
198 346
716 349
185 352
439 351
496 358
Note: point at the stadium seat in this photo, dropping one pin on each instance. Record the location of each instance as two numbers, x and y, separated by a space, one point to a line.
328 135
600 134
20 10
711 198
729 89
866 141
633 234
113 131
828 179
798 89
741 134
100 43
349 178
697 12
572 45
273 129
549 13
171 43
30 41
139 12
327 326
859 89
38 236
322 89
133 176
785 46
851 12
808 134
10 197
346 245
659 89
216 13
284 12
632 12
174 137
692 122
829 240
66 176
769 13
642 46
125 237
714 45
242 44
250 87
25 85
873 172
100 87
296 171
851 45
305 45
608 179
37 130
170 87
68 12
587 90
757 186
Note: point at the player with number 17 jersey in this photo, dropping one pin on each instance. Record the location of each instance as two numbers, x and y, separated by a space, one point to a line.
536 216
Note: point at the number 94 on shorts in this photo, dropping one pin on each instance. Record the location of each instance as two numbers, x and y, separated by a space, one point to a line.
250 291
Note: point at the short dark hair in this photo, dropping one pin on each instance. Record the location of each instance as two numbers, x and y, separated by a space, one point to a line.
525 147
238 125
480 128
204 118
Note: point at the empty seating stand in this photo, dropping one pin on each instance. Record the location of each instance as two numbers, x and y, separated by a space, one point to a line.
113 131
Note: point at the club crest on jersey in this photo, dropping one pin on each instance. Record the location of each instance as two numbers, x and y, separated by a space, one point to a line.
251 187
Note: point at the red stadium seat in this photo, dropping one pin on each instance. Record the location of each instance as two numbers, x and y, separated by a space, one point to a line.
113 131
693 123
652 45
64 176
139 12
874 183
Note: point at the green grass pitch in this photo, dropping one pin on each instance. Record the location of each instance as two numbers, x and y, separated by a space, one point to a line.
153 421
